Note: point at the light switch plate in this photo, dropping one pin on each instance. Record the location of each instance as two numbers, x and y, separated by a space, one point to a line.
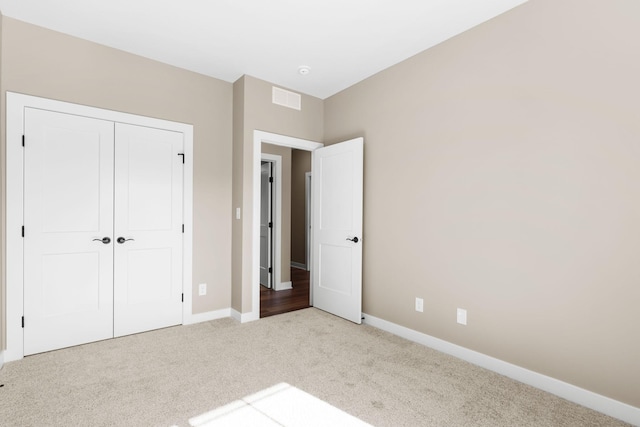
462 316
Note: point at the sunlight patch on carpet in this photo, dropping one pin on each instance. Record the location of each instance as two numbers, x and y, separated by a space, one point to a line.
280 405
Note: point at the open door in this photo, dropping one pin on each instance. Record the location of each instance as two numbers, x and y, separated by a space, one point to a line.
337 229
266 225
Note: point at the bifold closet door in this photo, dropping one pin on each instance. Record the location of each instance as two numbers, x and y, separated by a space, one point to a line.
148 229
68 234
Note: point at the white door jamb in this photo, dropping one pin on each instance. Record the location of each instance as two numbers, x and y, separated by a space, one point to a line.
307 218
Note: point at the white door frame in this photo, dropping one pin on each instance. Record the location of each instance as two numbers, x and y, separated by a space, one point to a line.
16 103
307 219
271 138
276 216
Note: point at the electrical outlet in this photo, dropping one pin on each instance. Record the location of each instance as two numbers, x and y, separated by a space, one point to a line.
419 305
462 316
202 289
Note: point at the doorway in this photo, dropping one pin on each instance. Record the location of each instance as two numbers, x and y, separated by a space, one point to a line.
282 220
336 281
283 141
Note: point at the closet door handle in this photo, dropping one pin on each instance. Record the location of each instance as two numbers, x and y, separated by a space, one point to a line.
121 240
105 240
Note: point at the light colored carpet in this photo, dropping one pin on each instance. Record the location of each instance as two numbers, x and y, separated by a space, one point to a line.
166 377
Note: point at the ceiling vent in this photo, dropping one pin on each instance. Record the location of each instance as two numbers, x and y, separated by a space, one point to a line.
287 98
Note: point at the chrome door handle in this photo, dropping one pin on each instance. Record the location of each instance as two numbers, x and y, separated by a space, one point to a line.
105 240
121 240
354 240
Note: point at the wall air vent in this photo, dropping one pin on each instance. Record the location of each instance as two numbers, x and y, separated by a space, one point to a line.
287 98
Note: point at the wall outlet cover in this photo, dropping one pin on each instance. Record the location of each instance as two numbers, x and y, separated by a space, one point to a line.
419 305
202 289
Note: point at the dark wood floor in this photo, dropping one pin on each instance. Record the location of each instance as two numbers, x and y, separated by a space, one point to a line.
278 302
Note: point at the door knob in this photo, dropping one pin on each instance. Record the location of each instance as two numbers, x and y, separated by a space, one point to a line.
354 240
105 240
121 240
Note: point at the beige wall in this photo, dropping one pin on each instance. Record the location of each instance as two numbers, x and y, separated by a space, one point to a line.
44 63
259 113
285 213
237 228
502 176
300 165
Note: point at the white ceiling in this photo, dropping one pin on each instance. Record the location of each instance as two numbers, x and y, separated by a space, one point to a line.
342 41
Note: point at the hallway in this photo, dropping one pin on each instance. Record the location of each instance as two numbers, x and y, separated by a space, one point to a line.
278 302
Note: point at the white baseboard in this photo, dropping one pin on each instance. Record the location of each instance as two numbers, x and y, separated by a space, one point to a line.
207 316
589 399
283 286
298 265
244 317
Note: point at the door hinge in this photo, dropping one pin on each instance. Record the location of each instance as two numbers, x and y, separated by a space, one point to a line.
182 297
23 140
270 179
270 225
181 154
23 231
183 228
23 321
270 270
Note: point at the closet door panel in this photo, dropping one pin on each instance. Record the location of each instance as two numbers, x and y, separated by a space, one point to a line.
148 229
68 241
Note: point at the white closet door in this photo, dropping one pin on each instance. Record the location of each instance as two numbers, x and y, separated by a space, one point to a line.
148 229
68 205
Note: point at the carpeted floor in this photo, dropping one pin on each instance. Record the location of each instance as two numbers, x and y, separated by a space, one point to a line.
165 377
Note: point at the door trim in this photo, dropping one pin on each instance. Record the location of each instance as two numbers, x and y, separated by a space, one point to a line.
307 219
258 138
16 103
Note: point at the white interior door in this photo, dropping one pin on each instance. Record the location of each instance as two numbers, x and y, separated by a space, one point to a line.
68 211
266 222
148 229
337 229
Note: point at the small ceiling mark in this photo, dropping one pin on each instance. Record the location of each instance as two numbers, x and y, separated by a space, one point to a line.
304 70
